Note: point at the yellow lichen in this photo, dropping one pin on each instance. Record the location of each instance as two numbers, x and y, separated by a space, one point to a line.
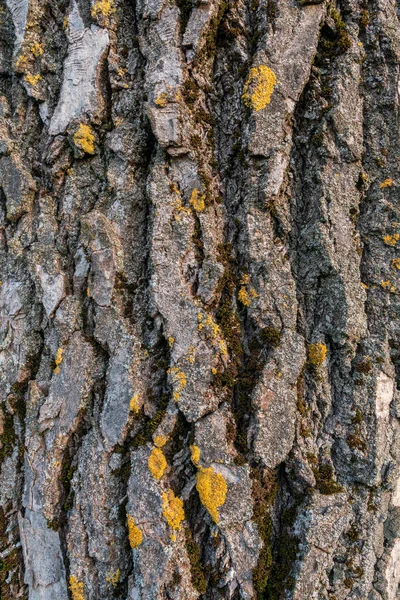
197 200
103 8
36 49
76 588
396 263
33 79
162 100
172 508
259 87
157 463
211 331
391 240
84 139
58 361
134 534
171 341
134 404
160 440
244 297
195 454
212 490
387 183
387 285
179 381
316 354
253 293
191 355
113 578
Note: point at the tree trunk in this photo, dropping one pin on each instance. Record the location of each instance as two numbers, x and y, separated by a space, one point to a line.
199 359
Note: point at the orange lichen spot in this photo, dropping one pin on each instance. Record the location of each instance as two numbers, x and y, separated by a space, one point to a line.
243 296
396 263
316 354
212 489
84 138
172 508
160 440
387 183
58 361
134 404
161 100
134 534
197 200
259 87
157 463
33 79
103 8
76 587
179 381
113 578
36 49
195 454
391 240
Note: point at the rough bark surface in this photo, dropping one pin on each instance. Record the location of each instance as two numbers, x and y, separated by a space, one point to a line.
199 300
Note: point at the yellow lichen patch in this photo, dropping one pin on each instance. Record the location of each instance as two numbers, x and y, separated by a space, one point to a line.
179 381
244 297
387 183
134 534
160 440
212 490
396 263
195 454
253 293
36 49
259 87
197 200
171 341
84 139
391 240
316 354
58 361
191 355
76 588
113 578
387 285
172 508
103 8
211 331
33 79
162 100
134 404
157 463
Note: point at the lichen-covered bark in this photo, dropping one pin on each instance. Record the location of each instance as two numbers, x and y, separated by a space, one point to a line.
199 315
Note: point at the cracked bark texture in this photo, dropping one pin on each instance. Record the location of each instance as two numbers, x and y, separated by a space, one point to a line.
199 300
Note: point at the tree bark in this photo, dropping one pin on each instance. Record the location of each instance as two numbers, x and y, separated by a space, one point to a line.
199 301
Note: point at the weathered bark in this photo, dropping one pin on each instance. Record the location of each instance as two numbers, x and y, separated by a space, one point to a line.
199 353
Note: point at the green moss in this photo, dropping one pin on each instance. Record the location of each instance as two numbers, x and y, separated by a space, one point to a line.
358 417
317 139
8 437
271 336
364 18
354 441
263 491
281 579
364 366
196 567
325 483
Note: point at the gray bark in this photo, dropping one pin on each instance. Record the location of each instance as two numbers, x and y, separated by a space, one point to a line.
199 300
